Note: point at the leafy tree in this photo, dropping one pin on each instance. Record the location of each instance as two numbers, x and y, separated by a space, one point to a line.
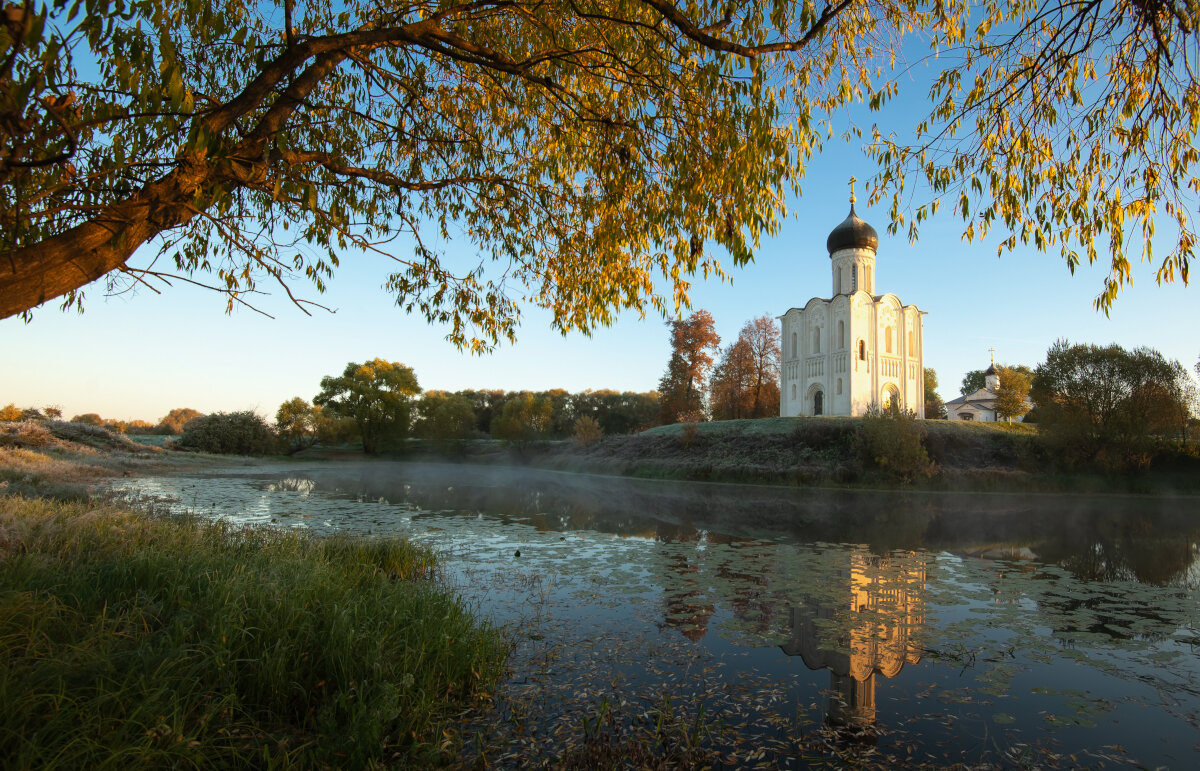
139 427
1012 393
935 408
174 421
525 418
694 340
1185 397
762 335
562 416
731 385
11 413
215 129
745 382
229 134
444 417
377 395
236 433
972 382
90 418
486 405
1072 126
618 412
296 424
333 430
1104 404
52 413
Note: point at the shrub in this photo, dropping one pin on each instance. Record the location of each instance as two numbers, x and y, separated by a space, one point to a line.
236 433
586 431
173 422
891 440
687 435
11 414
28 433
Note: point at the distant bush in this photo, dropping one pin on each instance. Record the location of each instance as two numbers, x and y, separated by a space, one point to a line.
11 414
236 433
90 418
891 440
92 435
173 422
586 431
687 436
296 423
27 433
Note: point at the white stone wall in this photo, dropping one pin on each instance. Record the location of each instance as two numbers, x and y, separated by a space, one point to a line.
817 354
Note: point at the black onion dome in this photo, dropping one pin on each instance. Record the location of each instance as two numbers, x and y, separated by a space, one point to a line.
853 233
991 370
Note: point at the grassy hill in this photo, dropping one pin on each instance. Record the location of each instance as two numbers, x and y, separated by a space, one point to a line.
856 452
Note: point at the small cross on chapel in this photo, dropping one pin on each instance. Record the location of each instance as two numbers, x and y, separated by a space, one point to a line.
856 348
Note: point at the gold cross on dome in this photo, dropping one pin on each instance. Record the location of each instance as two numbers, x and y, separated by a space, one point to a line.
852 197
992 351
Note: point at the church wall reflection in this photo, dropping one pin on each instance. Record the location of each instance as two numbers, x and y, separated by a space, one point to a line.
876 631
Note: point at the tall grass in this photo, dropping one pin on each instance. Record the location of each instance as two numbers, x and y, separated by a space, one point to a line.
129 641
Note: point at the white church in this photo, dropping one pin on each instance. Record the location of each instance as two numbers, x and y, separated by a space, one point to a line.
844 353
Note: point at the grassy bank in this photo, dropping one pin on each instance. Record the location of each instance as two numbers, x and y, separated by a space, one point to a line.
858 452
134 641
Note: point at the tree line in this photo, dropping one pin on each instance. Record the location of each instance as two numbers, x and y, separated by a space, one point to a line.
1099 405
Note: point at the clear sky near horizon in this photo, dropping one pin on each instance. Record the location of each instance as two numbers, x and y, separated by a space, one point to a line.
138 355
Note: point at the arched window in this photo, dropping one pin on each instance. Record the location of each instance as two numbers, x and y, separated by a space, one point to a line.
818 402
867 283
910 343
839 386
837 280
793 392
862 350
841 334
816 346
888 333
853 278
795 346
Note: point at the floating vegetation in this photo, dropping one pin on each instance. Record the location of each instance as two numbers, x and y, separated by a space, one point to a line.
654 628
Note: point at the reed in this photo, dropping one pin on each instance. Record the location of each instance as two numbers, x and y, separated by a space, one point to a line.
133 641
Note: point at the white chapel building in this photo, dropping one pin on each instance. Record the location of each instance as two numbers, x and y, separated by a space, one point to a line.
857 348
981 405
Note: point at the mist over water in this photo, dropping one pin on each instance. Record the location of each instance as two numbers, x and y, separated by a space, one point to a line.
1002 630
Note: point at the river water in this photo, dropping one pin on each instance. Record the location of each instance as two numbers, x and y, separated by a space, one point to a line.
745 625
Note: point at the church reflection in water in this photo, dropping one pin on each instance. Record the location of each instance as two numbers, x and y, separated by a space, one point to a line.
867 624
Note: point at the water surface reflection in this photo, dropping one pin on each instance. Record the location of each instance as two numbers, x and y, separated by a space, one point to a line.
879 628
